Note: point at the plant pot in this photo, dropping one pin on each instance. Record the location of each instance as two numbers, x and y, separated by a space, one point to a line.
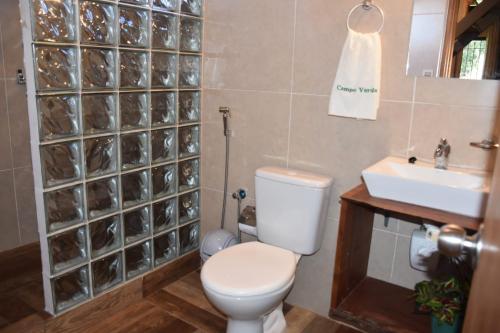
439 326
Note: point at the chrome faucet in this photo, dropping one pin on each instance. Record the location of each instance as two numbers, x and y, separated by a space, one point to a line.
441 154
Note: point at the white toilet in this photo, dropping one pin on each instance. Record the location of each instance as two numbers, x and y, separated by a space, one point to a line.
249 281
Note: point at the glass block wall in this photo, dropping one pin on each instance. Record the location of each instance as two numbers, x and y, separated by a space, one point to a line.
114 96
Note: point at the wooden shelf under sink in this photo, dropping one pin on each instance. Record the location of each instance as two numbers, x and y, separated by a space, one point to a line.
370 304
371 307
360 196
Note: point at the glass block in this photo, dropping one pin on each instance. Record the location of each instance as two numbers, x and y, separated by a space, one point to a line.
98 68
164 215
107 272
105 235
165 27
164 180
191 32
189 237
134 148
63 208
170 5
133 69
67 249
163 108
189 141
134 110
100 156
189 207
136 2
136 225
102 197
61 163
192 7
99 113
53 21
70 289
189 174
163 70
189 71
189 106
97 23
58 116
56 68
134 27
138 259
163 145
135 188
165 248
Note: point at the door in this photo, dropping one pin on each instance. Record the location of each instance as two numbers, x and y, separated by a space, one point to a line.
483 310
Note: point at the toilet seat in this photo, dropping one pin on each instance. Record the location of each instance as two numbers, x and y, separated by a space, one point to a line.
249 269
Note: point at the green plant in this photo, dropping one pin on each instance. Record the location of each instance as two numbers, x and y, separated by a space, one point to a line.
445 299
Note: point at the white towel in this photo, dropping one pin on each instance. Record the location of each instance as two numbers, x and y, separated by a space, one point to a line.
356 89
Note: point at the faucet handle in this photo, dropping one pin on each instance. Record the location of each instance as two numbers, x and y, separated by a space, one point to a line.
444 147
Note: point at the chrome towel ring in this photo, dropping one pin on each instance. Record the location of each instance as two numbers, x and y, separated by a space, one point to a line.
366 5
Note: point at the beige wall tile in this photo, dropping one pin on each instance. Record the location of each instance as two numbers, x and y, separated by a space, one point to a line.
2 58
485 93
460 125
11 37
211 203
259 122
248 44
26 209
407 228
9 237
380 223
381 255
313 278
320 35
403 275
5 152
341 147
19 124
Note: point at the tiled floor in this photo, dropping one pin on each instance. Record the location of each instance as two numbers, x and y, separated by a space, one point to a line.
178 307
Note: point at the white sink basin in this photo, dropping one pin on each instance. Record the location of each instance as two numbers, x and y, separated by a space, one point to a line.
455 190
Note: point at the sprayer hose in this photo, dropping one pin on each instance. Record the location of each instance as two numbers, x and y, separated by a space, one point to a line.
226 174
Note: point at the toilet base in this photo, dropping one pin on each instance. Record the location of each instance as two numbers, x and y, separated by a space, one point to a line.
245 326
274 322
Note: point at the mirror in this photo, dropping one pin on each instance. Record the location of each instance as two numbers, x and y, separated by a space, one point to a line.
455 39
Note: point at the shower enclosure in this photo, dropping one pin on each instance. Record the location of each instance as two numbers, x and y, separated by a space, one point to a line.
114 103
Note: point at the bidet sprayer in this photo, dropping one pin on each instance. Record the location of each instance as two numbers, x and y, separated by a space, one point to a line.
226 114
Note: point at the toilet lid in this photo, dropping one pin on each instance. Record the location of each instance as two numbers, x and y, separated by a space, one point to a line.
248 269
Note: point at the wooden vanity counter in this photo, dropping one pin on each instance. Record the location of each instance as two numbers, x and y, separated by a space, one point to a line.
368 303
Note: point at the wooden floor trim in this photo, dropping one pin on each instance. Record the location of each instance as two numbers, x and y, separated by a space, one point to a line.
174 271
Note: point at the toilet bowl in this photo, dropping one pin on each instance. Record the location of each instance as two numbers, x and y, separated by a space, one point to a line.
247 282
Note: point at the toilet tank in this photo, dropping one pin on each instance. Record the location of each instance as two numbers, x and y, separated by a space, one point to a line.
292 206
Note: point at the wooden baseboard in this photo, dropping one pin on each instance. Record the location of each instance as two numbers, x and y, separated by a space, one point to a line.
27 258
170 273
19 266
84 316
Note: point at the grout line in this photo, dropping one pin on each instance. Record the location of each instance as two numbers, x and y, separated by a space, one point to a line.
276 92
394 233
10 140
292 82
412 115
393 259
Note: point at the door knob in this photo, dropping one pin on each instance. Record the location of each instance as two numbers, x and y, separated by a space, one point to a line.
485 144
453 241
